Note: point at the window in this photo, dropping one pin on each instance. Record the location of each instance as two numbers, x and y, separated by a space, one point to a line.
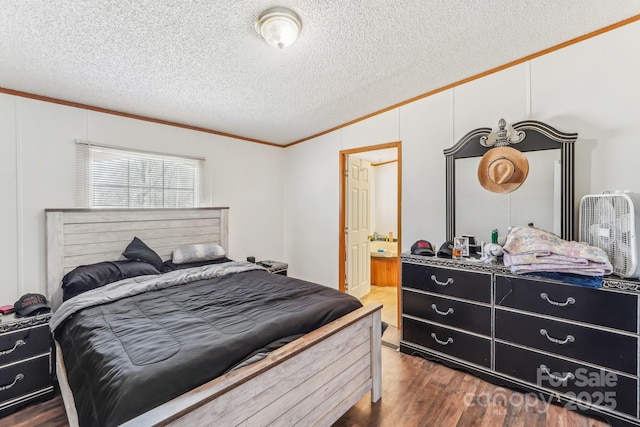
115 178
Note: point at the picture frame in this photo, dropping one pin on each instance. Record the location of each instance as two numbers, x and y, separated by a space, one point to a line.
463 244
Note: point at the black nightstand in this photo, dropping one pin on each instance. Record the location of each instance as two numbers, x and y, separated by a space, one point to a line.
26 361
275 267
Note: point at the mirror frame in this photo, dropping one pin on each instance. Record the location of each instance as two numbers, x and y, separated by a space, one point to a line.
537 136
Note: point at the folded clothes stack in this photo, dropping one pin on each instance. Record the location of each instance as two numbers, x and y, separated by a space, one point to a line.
535 251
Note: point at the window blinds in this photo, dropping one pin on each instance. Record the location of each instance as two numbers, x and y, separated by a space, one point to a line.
108 177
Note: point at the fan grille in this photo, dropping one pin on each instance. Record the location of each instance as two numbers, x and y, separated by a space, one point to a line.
608 222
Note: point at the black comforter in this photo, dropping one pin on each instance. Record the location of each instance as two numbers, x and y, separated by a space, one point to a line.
128 356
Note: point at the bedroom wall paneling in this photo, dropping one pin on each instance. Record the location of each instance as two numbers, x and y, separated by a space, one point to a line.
311 214
377 130
588 87
482 102
593 88
249 178
39 137
8 215
425 130
47 178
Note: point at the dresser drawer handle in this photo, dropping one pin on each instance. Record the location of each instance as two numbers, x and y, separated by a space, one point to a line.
569 301
448 341
442 313
546 370
435 279
569 338
15 380
16 345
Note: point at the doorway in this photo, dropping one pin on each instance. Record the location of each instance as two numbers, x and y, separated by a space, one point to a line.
382 245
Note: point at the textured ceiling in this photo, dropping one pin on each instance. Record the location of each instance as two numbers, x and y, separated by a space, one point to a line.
201 63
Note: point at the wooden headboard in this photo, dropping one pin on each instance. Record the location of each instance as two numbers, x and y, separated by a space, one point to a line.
86 236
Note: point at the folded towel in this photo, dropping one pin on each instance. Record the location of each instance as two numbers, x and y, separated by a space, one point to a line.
547 258
591 270
530 249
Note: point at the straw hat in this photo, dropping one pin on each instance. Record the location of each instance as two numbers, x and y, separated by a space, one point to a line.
502 169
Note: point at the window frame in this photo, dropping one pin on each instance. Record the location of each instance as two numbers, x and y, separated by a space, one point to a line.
166 174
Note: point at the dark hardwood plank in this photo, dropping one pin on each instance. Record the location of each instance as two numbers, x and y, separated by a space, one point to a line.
424 393
415 393
46 414
476 409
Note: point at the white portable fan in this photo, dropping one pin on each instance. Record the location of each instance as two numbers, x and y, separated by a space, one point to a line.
610 221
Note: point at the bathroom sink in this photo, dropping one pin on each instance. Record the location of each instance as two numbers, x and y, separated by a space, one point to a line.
383 249
384 254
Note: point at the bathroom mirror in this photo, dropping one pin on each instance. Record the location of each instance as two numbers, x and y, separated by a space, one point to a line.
545 198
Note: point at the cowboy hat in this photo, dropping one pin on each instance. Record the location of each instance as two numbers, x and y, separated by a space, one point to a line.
502 169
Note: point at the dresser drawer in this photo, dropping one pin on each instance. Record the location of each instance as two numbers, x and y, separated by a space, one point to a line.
468 347
24 343
593 386
570 340
472 317
22 378
459 283
595 306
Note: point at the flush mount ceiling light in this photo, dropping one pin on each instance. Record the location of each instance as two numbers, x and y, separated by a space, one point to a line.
278 26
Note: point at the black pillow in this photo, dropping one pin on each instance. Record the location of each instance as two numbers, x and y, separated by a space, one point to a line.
135 268
168 265
139 251
92 276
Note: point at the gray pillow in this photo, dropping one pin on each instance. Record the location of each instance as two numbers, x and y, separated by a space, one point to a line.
199 252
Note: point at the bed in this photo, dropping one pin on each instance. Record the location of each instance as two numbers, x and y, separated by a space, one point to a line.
312 380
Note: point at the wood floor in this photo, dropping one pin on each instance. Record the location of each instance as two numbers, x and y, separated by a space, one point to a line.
415 393
444 397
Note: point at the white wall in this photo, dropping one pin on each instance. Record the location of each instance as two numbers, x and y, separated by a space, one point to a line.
590 88
384 197
312 196
38 172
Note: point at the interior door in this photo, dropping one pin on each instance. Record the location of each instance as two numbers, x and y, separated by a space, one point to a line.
358 227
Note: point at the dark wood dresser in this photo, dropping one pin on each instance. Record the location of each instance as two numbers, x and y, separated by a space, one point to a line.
26 361
571 345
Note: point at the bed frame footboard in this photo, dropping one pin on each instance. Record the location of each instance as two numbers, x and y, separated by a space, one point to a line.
311 381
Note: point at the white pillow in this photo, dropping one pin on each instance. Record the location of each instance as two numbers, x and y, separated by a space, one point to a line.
199 252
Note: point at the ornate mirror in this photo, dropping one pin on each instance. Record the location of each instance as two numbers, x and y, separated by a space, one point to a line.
545 199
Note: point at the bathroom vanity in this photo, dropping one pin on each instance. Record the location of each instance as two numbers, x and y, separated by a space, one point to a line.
384 263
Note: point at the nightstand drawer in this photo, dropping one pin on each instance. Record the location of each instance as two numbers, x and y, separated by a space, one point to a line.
596 306
22 378
570 340
591 385
469 285
458 344
472 317
24 343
